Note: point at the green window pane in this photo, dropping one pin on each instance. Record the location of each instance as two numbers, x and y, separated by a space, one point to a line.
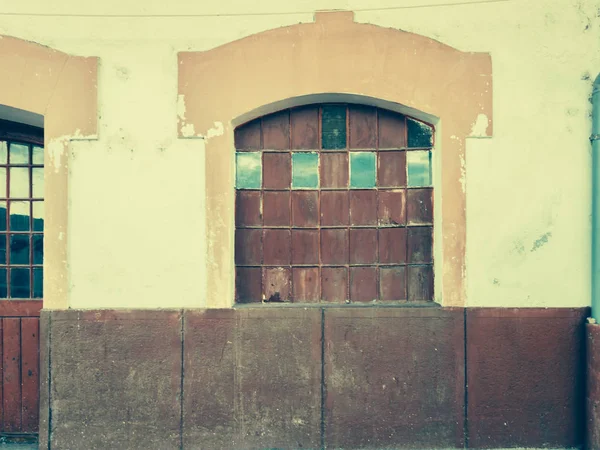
333 126
19 283
419 134
3 284
38 155
3 152
248 170
38 216
38 283
305 170
19 154
362 170
419 168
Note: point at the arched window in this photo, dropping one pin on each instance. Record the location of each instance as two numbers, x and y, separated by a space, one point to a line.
21 211
334 204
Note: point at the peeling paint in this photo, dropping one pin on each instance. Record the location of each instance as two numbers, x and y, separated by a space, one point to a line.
217 130
181 107
479 128
56 149
187 130
463 174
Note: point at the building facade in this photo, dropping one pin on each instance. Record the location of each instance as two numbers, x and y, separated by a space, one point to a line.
370 224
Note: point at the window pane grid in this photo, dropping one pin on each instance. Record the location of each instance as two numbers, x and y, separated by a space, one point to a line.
21 228
281 249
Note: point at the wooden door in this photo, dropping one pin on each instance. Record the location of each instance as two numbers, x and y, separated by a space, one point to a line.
19 366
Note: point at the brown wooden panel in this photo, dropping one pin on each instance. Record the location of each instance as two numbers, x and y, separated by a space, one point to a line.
391 169
334 208
363 246
392 130
306 284
392 245
363 207
392 283
247 209
248 246
247 136
248 284
420 283
305 246
276 131
419 206
363 127
334 284
392 207
276 247
334 246
334 170
305 128
276 209
20 308
305 208
420 243
11 378
30 374
277 170
363 284
277 284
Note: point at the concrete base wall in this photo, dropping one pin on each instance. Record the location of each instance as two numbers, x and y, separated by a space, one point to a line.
290 377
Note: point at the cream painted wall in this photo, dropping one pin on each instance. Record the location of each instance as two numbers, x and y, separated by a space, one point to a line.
137 221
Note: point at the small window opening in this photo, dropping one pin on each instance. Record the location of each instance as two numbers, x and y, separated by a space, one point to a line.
334 204
21 211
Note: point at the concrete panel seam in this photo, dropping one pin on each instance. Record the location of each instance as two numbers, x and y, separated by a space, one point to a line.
49 381
323 388
182 318
466 384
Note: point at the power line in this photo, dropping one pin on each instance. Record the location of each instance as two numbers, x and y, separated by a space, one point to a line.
249 14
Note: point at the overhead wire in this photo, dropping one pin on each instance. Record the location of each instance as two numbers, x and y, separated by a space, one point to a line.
244 14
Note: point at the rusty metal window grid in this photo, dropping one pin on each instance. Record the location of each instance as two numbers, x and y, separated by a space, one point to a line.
377 265
35 232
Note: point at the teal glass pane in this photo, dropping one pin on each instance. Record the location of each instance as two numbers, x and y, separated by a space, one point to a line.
333 127
38 283
38 155
305 170
19 154
248 170
419 168
419 135
3 152
38 216
362 170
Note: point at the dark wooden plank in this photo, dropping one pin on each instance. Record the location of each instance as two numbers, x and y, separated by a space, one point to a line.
30 374
12 374
20 308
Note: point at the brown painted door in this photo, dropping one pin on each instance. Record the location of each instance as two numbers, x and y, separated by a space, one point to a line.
19 366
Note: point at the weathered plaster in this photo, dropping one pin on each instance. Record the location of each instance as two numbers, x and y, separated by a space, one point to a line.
532 177
333 55
62 88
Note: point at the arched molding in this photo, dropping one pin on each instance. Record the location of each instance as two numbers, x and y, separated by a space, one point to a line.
37 81
334 56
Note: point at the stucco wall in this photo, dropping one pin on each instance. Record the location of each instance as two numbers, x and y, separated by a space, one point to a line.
136 221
